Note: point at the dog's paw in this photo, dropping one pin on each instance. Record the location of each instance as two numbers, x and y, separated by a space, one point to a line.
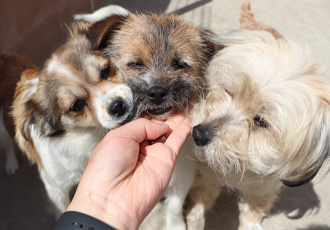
253 226
196 213
176 224
11 165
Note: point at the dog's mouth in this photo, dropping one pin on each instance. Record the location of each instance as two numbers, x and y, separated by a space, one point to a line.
158 110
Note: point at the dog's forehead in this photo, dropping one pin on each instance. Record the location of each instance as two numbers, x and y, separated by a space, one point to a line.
75 66
158 36
70 75
56 67
75 59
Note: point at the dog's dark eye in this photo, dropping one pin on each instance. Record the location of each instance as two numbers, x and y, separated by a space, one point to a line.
260 122
78 105
105 73
177 64
135 64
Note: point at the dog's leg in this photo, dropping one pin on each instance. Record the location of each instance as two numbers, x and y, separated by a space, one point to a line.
182 179
174 211
59 195
11 160
204 193
253 208
6 142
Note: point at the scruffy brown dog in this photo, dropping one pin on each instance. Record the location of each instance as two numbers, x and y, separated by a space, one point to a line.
163 60
164 63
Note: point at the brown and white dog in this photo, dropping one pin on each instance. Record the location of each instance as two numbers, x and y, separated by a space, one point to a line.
65 110
163 60
266 120
11 67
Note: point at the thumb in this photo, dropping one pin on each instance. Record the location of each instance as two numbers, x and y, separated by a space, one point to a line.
140 130
179 135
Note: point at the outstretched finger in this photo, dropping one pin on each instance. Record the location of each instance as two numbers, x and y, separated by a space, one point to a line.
178 136
140 130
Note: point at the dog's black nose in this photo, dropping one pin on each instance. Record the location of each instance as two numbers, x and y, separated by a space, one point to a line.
201 135
117 108
157 94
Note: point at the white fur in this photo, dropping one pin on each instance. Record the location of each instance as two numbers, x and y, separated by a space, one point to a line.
102 13
64 160
32 87
56 67
63 157
182 179
257 75
104 97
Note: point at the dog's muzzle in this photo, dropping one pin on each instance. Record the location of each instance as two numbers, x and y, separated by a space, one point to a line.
201 135
157 97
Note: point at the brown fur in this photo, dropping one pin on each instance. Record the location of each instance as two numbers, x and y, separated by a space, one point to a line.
163 60
11 67
248 21
22 86
54 96
63 111
158 50
12 75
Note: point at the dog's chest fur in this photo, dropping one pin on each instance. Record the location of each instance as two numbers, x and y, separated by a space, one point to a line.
68 153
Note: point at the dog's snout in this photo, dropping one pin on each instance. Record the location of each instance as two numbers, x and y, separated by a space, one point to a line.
201 135
118 108
157 94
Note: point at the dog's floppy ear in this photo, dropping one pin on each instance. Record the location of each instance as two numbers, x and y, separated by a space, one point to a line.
25 89
100 33
301 179
308 174
212 46
41 118
27 108
317 148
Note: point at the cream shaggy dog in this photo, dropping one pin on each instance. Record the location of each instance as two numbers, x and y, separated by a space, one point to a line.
266 120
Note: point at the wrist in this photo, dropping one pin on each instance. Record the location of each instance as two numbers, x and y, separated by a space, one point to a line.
103 209
71 220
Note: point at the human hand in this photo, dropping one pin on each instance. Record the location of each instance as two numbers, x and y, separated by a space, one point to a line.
127 174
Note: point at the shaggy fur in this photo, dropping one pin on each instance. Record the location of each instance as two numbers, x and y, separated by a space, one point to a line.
163 60
65 110
266 120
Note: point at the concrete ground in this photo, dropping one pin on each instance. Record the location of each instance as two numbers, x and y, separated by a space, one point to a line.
24 204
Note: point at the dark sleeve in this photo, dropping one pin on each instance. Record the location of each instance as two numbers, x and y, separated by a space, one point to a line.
76 220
